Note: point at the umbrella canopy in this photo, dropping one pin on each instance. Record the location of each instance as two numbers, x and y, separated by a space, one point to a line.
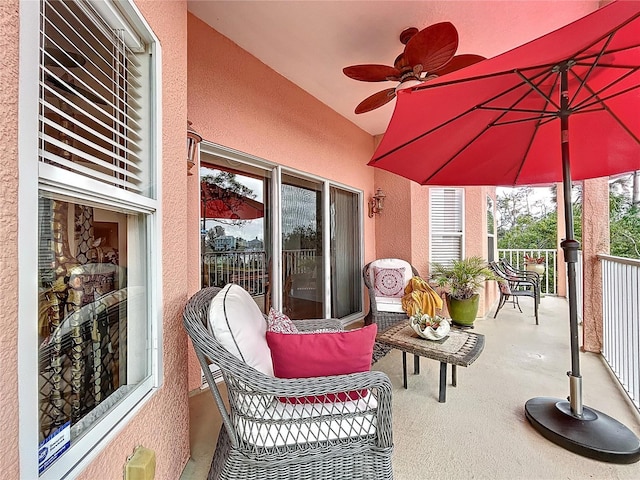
219 202
516 119
493 123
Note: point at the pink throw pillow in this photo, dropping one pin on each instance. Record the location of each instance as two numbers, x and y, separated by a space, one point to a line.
279 322
389 282
321 355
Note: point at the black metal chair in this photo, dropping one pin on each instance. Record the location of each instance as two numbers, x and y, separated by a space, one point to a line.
533 276
514 286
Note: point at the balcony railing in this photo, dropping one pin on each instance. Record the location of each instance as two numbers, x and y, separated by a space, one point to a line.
246 268
515 256
249 268
621 321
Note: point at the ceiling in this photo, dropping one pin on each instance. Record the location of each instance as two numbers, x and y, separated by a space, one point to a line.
310 42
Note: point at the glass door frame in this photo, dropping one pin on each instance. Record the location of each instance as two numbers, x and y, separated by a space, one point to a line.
236 160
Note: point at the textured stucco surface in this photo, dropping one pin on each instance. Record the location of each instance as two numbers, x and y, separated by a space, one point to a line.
237 101
394 224
475 239
595 240
9 460
163 423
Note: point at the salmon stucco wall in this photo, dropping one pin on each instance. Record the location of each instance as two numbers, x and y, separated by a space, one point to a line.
236 101
402 229
394 223
476 240
595 240
9 460
163 423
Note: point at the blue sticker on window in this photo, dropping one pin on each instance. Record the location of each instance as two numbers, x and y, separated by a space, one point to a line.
53 446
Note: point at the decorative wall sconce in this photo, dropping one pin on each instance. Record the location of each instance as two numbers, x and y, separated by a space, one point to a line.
193 139
376 204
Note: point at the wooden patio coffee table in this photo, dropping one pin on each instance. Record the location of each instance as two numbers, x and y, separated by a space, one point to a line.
459 348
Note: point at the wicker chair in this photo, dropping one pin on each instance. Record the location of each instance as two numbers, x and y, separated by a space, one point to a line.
383 315
267 435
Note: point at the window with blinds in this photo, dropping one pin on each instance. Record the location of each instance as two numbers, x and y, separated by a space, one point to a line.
447 224
97 227
92 96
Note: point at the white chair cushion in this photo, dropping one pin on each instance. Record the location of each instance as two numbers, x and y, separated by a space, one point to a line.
272 433
390 304
238 324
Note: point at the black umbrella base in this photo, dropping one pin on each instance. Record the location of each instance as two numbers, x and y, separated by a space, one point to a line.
595 435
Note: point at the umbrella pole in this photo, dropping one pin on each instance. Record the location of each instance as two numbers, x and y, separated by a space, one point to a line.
570 247
580 429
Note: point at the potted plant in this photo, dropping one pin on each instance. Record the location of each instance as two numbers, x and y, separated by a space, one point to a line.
534 264
461 280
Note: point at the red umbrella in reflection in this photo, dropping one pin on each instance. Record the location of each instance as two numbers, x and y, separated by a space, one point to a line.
509 121
219 202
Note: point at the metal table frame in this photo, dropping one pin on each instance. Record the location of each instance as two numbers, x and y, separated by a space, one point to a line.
403 338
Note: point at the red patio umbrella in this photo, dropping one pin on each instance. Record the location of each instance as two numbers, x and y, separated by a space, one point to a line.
219 202
505 121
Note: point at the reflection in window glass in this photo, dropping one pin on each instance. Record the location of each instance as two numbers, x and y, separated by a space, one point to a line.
346 298
93 321
302 267
234 235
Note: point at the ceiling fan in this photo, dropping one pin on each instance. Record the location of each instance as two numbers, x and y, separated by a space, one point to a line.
428 53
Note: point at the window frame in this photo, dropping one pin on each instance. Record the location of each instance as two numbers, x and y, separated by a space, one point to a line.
237 157
35 175
491 235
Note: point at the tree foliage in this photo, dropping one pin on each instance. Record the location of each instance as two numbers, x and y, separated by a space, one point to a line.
520 226
302 238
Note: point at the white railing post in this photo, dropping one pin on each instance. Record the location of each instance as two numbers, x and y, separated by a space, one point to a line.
621 321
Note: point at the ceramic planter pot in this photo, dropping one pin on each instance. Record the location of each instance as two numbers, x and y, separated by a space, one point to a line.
535 267
463 312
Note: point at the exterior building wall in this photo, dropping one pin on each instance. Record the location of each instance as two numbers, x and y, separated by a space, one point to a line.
169 438
9 417
163 423
476 241
237 101
595 240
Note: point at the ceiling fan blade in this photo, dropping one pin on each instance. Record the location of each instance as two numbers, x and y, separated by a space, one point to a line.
376 100
432 47
371 73
458 62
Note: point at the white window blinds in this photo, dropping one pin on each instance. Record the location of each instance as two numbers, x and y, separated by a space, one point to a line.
92 93
446 209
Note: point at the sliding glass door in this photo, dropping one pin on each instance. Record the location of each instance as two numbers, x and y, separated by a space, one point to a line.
293 241
302 252
346 277
235 228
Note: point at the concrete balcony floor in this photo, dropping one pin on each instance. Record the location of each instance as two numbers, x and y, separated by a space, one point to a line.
481 431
